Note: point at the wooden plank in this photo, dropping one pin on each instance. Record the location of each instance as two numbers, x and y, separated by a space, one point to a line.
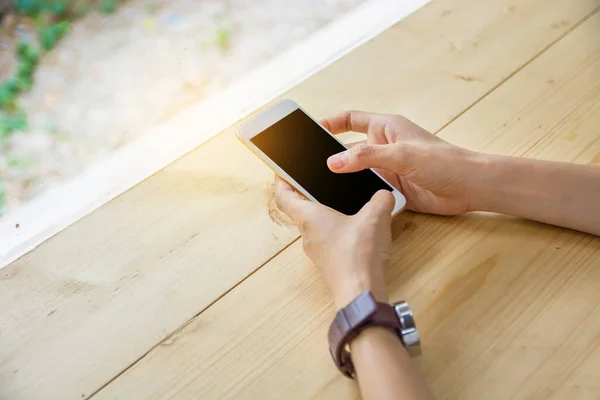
508 309
89 302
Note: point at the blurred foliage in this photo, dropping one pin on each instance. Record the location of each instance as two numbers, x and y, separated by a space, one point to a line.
52 22
2 195
223 38
108 6
19 161
50 35
11 122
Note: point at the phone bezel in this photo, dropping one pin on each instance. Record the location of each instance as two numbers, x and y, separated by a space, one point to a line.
276 112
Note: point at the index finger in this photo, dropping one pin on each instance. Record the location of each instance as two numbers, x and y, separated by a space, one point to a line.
356 121
288 200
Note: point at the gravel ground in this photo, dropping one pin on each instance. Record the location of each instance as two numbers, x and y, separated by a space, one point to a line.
115 76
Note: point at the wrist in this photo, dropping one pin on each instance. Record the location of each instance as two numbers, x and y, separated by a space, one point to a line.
514 186
352 285
485 183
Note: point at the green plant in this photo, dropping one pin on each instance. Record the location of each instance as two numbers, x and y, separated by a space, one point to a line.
11 122
58 7
50 17
13 119
28 7
51 34
19 161
33 8
8 92
2 195
108 6
27 52
223 38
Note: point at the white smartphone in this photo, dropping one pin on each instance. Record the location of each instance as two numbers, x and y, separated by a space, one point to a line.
296 147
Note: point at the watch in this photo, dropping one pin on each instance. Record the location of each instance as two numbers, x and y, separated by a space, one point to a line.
364 312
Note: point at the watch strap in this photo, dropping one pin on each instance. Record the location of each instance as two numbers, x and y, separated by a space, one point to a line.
362 312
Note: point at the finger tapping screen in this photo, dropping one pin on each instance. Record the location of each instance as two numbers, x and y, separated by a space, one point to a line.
301 148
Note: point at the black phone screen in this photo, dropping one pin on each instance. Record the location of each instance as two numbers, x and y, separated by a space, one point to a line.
301 148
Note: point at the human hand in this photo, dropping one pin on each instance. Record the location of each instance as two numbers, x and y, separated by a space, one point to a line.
352 252
432 174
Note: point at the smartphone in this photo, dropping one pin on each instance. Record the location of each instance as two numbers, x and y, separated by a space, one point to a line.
296 147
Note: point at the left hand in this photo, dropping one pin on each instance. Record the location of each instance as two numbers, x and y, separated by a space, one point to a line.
435 176
352 252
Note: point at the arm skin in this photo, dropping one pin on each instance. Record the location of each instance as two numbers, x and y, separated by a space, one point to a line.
555 193
384 368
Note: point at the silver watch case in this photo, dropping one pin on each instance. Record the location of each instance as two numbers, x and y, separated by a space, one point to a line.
409 333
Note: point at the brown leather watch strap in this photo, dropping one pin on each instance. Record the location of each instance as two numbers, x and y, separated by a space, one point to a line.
362 312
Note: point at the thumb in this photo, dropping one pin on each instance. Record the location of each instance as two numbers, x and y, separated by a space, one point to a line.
365 156
382 204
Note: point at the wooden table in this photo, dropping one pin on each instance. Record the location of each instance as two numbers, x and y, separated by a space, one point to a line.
183 288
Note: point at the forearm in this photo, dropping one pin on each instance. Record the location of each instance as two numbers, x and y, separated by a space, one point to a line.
384 368
561 194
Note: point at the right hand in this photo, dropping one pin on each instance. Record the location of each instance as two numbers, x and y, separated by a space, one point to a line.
352 251
432 174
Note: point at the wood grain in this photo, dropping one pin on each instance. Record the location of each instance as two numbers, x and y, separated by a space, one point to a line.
95 298
508 309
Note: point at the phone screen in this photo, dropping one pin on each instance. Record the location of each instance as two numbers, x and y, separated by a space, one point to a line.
301 147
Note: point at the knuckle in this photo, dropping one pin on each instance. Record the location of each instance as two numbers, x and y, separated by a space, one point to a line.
362 152
347 115
303 225
399 119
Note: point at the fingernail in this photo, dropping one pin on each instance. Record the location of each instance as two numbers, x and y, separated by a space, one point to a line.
337 161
